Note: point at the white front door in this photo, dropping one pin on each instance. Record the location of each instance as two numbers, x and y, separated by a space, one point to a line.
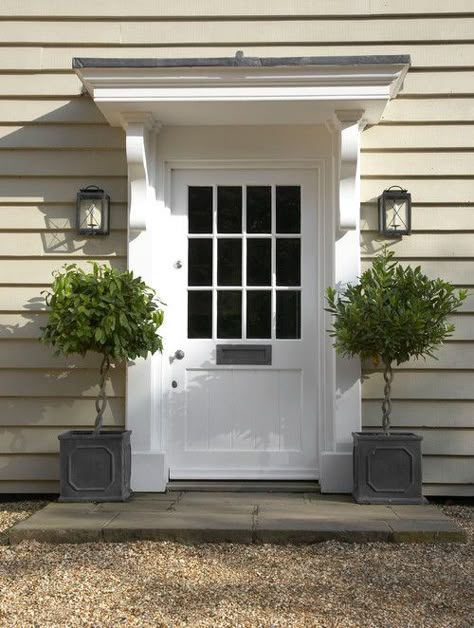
242 387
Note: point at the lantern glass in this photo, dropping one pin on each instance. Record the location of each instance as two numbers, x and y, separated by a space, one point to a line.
93 211
395 213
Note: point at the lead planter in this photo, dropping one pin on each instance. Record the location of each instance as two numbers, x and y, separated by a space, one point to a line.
387 468
95 466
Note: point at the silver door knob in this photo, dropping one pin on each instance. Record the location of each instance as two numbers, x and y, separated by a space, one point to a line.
179 354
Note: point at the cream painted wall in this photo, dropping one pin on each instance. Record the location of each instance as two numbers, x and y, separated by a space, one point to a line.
53 140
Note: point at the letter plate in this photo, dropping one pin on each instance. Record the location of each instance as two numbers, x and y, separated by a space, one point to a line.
244 354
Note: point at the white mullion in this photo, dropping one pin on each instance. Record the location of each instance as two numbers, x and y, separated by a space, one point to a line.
244 262
273 256
214 262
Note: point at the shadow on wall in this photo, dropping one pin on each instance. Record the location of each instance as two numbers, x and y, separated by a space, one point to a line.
62 151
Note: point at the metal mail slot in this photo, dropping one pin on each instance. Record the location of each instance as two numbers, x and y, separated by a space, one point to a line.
244 354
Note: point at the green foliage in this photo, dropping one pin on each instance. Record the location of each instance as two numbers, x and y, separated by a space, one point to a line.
107 311
393 313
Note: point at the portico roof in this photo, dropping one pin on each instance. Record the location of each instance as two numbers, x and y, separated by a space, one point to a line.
242 90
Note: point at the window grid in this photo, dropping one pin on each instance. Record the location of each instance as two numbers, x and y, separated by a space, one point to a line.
244 236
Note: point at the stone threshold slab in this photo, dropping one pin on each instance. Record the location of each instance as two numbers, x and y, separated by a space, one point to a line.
248 519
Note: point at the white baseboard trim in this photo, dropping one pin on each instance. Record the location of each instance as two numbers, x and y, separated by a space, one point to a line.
336 472
148 471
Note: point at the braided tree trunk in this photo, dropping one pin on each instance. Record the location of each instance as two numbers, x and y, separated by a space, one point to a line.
387 404
101 401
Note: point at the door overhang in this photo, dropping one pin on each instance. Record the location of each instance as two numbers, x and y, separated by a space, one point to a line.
243 90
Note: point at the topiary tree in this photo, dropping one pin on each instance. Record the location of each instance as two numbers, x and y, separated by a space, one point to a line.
392 314
105 311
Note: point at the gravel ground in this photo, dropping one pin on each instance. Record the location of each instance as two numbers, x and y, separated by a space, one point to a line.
166 584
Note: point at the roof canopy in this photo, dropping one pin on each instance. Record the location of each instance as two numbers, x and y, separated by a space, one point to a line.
242 90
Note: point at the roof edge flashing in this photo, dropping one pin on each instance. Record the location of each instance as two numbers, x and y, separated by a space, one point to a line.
239 61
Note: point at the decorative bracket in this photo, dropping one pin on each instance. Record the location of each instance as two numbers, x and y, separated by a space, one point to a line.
349 124
140 128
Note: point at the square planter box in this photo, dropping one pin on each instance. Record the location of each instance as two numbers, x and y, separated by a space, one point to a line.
95 467
387 469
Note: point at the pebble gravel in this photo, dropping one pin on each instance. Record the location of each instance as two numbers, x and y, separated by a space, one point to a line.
150 584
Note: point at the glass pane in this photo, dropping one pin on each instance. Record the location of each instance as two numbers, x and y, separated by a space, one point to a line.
200 314
259 262
288 262
259 209
229 314
288 314
229 262
288 209
200 262
229 209
259 314
200 209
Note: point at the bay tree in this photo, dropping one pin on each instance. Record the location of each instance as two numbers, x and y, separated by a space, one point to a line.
104 311
393 314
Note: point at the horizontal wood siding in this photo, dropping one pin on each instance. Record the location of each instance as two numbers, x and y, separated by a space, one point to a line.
53 140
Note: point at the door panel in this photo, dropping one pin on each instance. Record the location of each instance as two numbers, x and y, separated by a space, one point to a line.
245 242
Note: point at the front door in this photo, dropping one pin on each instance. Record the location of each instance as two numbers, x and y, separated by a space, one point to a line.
242 322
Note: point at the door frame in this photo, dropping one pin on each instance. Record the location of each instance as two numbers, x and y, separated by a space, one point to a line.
325 238
316 170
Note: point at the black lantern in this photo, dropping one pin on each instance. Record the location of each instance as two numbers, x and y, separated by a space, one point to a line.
93 214
395 212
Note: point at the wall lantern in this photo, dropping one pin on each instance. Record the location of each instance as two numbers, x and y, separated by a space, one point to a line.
395 212
93 215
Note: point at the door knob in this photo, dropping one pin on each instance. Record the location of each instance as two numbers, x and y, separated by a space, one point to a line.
179 354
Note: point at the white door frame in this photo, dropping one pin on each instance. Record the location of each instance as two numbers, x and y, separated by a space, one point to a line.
310 174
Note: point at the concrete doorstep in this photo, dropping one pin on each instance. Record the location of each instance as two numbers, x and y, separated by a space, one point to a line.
204 517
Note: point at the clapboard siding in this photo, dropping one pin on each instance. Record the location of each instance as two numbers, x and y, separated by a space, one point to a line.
24 271
56 412
60 243
435 190
421 414
17 326
429 385
57 189
61 137
52 163
441 245
434 219
33 354
200 32
271 9
405 137
53 140
444 469
80 110
59 217
438 55
58 383
422 164
452 355
459 273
